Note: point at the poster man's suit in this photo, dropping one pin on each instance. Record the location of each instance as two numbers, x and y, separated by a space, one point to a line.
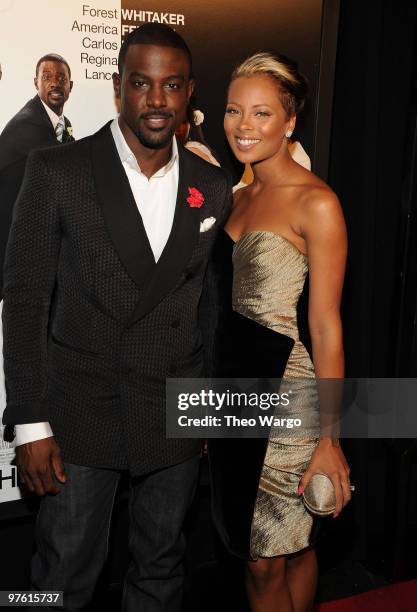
31 128
121 324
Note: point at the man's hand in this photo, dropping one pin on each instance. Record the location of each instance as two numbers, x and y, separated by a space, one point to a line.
37 463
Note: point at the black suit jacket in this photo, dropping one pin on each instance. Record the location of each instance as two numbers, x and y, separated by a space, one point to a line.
29 129
121 323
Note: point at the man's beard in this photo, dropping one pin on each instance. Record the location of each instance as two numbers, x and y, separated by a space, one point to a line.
155 139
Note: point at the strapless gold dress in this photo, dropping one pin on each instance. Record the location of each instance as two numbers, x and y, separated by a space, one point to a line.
269 291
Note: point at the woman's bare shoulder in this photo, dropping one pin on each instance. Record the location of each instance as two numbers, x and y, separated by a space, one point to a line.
314 195
320 212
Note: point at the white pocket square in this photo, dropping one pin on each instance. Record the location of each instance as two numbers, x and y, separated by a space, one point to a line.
207 224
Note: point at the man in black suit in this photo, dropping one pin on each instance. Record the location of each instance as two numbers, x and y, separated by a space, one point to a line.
40 123
115 229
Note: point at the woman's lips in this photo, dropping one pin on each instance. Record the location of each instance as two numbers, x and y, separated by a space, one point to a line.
245 144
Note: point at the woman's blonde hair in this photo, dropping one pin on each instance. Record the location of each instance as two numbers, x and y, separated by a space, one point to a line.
292 85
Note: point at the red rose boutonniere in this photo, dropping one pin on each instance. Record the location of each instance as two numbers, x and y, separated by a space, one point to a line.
195 199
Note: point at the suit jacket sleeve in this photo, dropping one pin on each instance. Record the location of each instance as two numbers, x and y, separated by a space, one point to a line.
210 303
29 278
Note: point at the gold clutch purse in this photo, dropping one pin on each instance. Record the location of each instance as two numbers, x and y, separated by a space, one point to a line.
319 496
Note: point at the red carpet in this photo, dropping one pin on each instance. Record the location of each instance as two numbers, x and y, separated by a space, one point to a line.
400 597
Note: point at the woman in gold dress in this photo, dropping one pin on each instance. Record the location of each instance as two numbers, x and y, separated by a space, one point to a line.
287 242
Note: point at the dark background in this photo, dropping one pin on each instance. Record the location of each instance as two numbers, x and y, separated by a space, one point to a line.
373 159
373 170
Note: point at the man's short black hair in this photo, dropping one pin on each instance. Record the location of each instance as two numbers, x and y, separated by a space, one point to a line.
153 34
52 57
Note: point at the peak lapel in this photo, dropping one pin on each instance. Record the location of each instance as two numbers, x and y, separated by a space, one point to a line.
181 242
122 218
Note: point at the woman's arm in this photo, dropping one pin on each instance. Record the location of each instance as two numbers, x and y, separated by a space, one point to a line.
325 234
324 231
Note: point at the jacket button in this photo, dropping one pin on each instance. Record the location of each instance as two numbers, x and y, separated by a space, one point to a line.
188 276
175 323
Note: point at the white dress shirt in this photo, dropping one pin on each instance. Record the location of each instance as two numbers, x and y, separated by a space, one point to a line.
156 199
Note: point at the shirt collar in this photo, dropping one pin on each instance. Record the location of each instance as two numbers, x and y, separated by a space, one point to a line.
126 155
52 116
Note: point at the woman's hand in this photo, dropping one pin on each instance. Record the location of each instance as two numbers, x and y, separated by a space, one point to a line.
328 459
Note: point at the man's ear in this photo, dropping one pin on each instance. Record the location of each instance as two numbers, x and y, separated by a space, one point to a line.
35 81
117 84
71 84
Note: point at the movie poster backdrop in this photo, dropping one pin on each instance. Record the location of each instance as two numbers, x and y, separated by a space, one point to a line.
220 33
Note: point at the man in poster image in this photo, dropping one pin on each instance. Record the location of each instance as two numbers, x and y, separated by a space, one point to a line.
40 123
111 230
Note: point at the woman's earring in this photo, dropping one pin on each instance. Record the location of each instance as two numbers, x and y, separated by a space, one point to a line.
288 134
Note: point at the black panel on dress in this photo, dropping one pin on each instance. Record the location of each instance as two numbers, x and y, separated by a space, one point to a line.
246 349
302 318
